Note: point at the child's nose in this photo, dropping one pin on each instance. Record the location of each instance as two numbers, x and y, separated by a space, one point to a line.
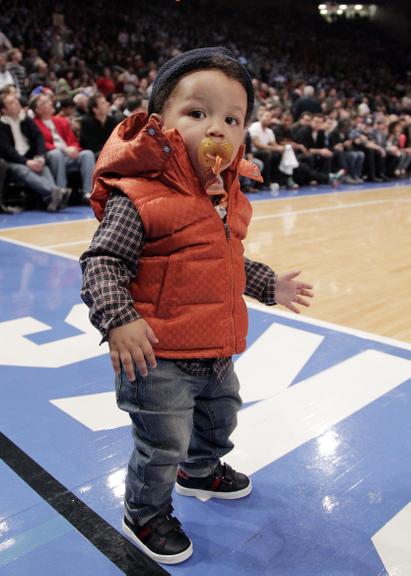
216 129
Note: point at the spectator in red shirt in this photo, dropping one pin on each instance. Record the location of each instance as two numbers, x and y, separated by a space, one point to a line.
105 83
64 152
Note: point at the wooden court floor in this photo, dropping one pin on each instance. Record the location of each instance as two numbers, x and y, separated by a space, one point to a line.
355 247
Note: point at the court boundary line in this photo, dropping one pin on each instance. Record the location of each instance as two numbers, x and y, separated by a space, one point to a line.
294 195
328 208
38 248
386 340
56 223
109 541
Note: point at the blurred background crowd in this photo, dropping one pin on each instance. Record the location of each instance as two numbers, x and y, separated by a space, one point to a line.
333 100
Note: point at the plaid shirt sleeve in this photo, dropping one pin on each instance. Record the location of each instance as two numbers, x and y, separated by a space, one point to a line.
110 263
260 283
108 266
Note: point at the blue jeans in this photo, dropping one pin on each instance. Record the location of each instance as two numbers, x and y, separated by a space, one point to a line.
355 160
177 420
60 163
43 184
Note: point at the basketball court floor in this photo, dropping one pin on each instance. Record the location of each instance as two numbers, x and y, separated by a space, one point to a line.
324 432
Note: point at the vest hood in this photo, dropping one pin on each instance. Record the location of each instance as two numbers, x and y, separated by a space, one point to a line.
138 148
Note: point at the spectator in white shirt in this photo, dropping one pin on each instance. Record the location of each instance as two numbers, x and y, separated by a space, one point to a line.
7 77
265 147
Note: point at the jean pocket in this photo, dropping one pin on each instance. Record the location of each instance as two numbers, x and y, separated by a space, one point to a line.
126 391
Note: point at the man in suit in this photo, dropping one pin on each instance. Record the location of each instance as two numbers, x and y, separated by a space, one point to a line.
313 138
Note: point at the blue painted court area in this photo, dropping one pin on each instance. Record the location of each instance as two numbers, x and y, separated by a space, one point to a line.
34 539
327 446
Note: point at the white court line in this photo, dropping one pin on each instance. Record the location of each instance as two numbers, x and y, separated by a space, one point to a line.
356 191
328 208
38 248
29 226
323 324
274 427
392 543
68 243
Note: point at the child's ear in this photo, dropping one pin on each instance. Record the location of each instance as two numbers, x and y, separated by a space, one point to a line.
157 117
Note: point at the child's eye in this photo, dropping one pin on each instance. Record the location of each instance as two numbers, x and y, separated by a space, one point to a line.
232 120
197 114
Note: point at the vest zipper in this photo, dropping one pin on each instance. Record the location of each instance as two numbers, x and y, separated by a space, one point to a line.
230 249
227 230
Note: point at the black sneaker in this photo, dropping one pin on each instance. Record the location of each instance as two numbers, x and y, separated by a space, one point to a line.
161 538
224 483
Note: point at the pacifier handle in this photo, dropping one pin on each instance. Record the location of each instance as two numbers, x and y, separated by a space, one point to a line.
216 168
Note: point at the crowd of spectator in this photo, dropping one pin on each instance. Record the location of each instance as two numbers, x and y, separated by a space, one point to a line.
324 111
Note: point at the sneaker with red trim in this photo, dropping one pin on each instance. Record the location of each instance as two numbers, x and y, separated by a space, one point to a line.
161 538
224 483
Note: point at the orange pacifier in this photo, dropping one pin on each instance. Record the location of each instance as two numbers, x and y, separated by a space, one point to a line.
212 154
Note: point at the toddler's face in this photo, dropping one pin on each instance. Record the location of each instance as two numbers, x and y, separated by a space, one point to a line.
207 104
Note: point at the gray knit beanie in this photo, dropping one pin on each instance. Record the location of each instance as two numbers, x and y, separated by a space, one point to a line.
198 59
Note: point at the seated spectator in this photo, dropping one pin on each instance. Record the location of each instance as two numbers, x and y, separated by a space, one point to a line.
407 130
4 208
40 76
116 110
63 149
305 173
265 147
105 83
307 103
97 125
5 43
363 108
284 133
396 147
81 104
379 135
135 104
7 78
248 185
130 81
313 138
305 120
276 113
360 136
22 146
67 109
350 160
328 126
17 70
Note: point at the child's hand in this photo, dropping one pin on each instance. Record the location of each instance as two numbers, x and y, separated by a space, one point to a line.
132 342
288 290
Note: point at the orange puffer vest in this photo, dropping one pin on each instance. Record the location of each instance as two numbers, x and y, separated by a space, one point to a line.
190 279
